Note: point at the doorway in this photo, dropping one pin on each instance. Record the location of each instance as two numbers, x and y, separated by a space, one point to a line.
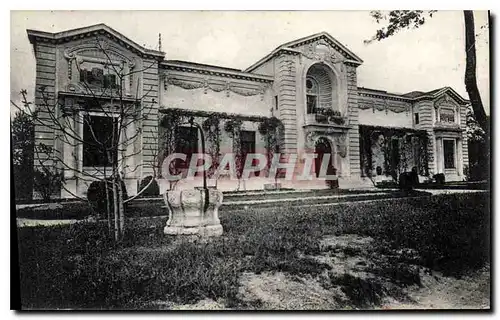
322 147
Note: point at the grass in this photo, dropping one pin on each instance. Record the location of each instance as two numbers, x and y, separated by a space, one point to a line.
78 266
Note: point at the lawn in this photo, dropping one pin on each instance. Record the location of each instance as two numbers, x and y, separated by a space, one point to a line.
78 266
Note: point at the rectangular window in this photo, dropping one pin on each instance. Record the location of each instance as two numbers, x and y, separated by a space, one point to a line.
99 132
96 77
276 102
449 154
311 103
417 120
447 116
186 143
247 139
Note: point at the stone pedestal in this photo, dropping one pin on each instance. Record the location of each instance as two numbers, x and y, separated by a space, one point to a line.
187 214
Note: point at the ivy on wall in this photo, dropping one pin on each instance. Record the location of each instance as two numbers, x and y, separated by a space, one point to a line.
167 140
271 130
211 127
395 161
233 128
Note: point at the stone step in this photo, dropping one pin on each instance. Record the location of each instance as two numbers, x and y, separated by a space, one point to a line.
311 200
246 196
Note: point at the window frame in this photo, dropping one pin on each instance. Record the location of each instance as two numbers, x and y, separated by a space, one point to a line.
449 115
313 93
245 152
181 164
82 135
449 142
83 78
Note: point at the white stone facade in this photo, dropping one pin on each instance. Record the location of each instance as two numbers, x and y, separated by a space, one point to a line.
296 83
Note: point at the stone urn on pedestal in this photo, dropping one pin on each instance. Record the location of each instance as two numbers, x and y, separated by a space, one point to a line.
194 212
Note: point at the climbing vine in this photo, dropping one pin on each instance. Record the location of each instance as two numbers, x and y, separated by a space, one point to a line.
211 127
395 161
271 129
167 140
233 129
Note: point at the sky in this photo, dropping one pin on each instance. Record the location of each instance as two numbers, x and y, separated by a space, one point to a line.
423 59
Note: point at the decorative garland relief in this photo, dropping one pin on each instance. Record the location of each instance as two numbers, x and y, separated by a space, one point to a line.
207 84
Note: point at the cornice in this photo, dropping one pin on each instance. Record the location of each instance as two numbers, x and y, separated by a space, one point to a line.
276 52
383 95
36 36
372 93
216 71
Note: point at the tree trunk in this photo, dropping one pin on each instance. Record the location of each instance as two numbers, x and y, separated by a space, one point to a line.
470 71
108 204
121 213
115 211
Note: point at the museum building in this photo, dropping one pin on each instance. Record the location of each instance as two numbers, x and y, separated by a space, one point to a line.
309 85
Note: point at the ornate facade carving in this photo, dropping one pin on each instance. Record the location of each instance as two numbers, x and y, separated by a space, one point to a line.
445 100
365 106
214 85
397 108
341 144
322 51
386 106
338 140
100 52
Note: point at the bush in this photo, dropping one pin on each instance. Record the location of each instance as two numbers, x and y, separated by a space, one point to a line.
96 194
439 178
152 191
406 181
47 182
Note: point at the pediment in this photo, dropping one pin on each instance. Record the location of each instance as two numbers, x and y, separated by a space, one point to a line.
99 49
93 32
449 98
323 46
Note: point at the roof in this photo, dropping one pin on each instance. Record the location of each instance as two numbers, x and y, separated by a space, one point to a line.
201 65
93 30
214 70
351 57
413 94
420 95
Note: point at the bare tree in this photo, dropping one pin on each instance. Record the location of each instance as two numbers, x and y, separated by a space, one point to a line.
123 127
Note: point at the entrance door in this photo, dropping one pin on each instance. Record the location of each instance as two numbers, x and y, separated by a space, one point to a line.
322 147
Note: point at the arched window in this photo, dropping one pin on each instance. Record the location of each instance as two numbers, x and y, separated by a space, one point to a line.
312 93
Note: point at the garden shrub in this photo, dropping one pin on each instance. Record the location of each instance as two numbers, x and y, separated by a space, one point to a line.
152 191
405 181
47 182
439 178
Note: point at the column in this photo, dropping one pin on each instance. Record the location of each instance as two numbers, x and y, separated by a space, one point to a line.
439 155
459 155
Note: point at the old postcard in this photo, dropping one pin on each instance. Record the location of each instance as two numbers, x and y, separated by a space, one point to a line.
251 160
